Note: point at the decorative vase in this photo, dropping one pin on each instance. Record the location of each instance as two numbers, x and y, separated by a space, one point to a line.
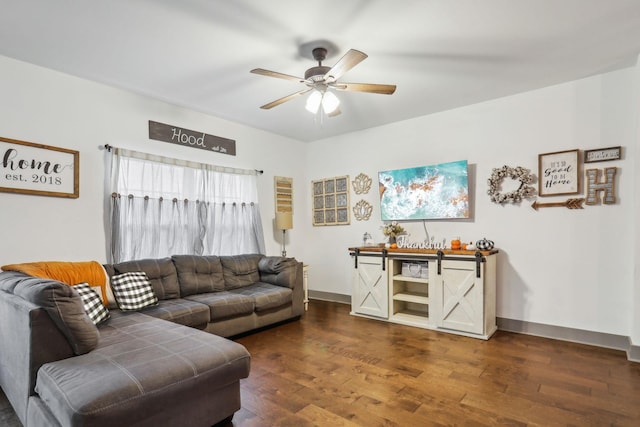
392 240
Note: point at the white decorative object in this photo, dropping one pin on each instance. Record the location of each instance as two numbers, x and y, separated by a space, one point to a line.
362 210
524 191
367 240
403 243
361 184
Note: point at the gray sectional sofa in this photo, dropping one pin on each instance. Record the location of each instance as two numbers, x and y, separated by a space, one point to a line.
164 365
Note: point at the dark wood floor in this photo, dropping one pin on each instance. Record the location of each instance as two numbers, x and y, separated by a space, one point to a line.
333 369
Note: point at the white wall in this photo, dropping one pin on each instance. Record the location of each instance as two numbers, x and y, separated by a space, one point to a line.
46 107
635 227
570 268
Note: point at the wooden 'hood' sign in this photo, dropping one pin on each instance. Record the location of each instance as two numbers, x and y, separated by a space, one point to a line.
191 138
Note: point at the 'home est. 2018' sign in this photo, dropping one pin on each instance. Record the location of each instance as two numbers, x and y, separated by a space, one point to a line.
38 169
191 138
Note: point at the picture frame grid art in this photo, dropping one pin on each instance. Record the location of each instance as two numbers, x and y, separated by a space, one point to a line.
330 199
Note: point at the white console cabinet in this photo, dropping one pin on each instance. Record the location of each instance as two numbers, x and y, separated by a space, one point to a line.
451 291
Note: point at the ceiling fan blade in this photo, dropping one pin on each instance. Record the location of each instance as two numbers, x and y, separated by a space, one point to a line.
284 99
347 62
365 87
269 73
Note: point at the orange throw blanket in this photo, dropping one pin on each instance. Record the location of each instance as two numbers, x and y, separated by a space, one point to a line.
71 273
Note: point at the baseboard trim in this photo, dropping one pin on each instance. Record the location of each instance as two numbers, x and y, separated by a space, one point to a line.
330 296
581 336
633 354
599 339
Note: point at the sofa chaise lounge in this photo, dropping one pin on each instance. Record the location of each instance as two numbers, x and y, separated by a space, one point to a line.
163 365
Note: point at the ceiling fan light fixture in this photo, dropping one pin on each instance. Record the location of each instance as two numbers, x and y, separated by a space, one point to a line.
313 102
330 102
320 79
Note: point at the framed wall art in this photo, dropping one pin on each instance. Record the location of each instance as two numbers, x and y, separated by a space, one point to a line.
283 190
603 154
559 173
38 169
331 201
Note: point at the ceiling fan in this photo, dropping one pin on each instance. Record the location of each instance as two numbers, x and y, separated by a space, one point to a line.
320 79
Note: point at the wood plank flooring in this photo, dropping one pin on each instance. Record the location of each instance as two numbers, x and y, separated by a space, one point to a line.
333 369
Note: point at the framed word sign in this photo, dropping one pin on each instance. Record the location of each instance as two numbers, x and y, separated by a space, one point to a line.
191 138
29 168
558 173
602 154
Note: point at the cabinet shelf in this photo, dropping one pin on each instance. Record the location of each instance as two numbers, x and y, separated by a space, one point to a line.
400 277
413 315
416 297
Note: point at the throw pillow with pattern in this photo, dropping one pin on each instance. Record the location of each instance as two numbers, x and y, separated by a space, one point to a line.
133 291
92 303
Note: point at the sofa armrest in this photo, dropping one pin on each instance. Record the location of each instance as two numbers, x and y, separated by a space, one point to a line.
279 271
286 272
29 339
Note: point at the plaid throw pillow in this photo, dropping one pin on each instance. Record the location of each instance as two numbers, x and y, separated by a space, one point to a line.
133 291
92 303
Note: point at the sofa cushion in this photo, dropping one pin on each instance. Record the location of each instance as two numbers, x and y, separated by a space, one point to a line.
265 295
182 311
92 303
161 273
240 270
64 306
225 304
133 291
198 274
141 366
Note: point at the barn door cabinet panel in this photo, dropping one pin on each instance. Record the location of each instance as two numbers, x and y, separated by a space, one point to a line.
370 288
446 290
465 296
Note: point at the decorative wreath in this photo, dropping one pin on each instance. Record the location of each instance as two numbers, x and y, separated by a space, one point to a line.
518 173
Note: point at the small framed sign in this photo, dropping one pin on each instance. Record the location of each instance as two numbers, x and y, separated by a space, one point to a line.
191 138
38 169
558 173
602 154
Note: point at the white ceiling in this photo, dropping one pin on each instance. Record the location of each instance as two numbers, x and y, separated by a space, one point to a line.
441 54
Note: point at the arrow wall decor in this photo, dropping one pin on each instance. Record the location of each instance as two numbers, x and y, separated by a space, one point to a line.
569 203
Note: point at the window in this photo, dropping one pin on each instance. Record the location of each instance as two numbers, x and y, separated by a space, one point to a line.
161 207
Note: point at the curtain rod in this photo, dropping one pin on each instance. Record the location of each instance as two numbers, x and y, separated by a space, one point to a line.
176 200
110 147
